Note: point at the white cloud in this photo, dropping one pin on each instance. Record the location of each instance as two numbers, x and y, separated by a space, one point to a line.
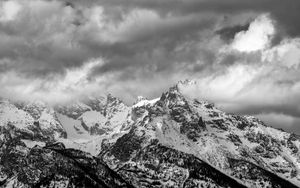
277 120
257 37
225 86
257 82
287 53
9 10
75 83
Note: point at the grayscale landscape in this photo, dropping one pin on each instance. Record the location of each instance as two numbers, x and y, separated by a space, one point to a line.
148 93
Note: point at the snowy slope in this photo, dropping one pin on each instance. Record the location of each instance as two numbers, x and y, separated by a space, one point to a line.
92 121
240 146
188 132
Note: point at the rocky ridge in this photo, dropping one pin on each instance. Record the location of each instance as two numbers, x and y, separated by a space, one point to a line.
171 141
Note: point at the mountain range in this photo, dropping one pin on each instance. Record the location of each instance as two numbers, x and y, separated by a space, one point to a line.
174 140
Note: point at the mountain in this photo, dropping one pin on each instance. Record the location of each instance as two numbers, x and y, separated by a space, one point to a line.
52 166
172 141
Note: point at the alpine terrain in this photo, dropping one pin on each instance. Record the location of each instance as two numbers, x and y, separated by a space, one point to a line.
172 141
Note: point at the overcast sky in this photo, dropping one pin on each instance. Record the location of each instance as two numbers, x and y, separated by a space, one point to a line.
244 54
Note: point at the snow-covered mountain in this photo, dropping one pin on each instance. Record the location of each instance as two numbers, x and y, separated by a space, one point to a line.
172 141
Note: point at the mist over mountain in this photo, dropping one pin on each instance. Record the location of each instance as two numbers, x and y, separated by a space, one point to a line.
174 140
244 54
88 93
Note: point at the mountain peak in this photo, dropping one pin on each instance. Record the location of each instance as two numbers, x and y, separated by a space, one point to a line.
173 133
183 84
113 99
145 102
141 98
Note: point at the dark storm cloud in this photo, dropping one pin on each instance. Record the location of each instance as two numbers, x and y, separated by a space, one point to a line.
167 36
228 33
287 12
64 36
164 33
38 40
290 109
154 45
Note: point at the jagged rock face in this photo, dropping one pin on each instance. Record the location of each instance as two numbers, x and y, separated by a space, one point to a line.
179 110
78 124
97 116
32 121
239 146
249 172
52 166
172 141
159 166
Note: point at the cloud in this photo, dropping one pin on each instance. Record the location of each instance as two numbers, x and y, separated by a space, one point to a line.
53 89
40 39
287 53
9 10
263 80
50 36
286 13
244 54
228 33
46 41
280 121
257 37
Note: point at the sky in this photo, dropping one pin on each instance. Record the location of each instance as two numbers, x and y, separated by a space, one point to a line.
243 54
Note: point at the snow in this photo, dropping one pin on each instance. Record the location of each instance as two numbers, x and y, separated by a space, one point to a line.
82 105
145 102
70 125
168 133
92 146
119 117
275 133
47 119
90 118
31 143
212 145
2 177
11 114
80 138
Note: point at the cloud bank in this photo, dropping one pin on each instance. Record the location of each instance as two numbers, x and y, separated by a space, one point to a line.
244 54
263 80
